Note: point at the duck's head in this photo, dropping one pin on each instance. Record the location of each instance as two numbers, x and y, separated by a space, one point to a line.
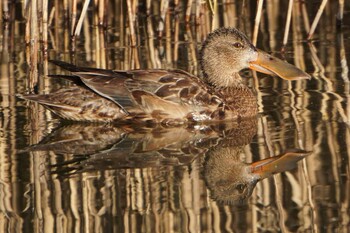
226 51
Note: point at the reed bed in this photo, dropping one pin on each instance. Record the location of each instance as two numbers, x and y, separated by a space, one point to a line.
167 34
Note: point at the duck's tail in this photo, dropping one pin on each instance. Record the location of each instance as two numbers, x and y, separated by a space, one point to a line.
76 69
67 66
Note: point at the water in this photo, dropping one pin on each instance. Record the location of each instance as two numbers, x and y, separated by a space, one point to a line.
58 176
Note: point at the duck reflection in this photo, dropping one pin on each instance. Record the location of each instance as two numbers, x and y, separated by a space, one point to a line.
151 147
79 139
219 147
231 180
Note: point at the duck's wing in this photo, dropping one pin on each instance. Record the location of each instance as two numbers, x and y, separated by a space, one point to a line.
128 88
149 91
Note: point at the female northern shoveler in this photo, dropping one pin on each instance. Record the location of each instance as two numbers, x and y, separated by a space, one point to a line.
170 96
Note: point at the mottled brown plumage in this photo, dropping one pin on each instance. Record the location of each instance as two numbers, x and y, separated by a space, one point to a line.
169 97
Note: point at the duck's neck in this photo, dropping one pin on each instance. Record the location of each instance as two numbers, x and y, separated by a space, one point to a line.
222 79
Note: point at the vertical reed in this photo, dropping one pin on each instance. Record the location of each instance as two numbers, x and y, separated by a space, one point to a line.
188 10
81 19
257 21
33 42
133 42
317 18
340 14
289 16
4 9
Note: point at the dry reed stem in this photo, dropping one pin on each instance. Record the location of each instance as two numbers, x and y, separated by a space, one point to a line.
98 43
52 15
317 18
230 14
33 44
176 34
121 26
102 48
45 27
257 21
298 48
73 16
148 7
211 6
1 16
87 41
56 21
5 10
99 46
340 14
198 10
305 17
164 5
287 28
192 49
101 12
188 11
81 18
153 53
131 15
168 38
272 10
66 9
205 24
215 16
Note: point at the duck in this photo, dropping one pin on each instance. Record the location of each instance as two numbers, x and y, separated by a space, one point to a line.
169 97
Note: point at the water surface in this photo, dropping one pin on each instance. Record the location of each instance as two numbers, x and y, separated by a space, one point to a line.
58 176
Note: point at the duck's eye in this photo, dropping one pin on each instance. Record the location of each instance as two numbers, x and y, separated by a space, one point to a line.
240 188
237 45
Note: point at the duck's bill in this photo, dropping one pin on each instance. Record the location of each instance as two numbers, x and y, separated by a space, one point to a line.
271 65
267 167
